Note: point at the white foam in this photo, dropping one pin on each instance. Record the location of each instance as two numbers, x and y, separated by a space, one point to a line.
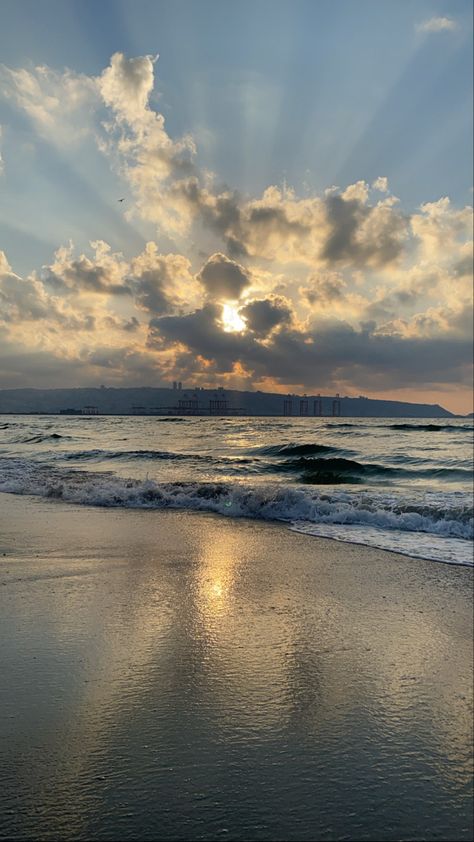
436 526
415 544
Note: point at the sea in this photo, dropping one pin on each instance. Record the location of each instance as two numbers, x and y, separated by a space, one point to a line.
404 485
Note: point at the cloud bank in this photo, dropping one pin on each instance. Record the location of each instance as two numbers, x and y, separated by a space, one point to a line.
342 291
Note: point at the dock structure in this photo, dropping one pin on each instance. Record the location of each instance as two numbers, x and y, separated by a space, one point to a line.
304 406
318 408
86 410
188 405
218 404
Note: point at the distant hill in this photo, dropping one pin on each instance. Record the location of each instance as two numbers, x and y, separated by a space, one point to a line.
112 401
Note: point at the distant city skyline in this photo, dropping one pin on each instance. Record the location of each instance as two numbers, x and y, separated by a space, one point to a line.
272 196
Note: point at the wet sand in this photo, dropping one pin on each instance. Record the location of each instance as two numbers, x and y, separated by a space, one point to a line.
166 675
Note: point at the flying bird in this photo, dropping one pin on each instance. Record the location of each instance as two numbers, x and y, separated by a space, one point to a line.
121 200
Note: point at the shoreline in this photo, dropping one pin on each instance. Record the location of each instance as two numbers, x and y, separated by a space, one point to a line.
291 525
184 675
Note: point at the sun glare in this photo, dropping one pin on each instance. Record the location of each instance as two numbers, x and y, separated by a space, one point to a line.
232 322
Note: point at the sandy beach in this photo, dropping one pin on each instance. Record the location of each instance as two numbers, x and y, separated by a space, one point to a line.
168 675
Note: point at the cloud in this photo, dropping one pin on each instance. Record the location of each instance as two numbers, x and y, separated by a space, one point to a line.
328 352
437 24
138 144
223 278
21 299
442 231
171 191
60 105
162 283
101 275
126 85
263 315
338 288
381 184
324 287
280 227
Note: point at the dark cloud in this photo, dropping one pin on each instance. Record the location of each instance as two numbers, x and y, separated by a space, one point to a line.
200 332
331 352
342 229
223 278
263 315
131 325
82 275
23 299
464 266
360 234
150 290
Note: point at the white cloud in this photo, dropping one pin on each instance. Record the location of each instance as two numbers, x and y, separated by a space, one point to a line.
440 24
126 85
381 184
60 105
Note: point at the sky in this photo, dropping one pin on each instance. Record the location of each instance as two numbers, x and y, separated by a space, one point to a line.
273 194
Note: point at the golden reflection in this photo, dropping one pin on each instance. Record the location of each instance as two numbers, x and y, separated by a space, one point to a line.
244 624
218 588
217 571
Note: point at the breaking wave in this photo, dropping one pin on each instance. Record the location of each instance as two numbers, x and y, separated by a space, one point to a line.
294 505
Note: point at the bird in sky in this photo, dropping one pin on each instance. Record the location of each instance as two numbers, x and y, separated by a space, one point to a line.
122 200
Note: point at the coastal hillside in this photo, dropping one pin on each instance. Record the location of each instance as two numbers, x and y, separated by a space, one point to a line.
142 401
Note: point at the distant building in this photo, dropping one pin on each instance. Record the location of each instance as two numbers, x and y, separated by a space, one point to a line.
70 411
90 410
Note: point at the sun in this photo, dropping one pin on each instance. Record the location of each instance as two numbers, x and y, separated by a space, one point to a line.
231 321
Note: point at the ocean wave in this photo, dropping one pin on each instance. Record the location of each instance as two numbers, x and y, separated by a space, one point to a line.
306 469
335 426
294 449
333 470
173 420
148 455
432 514
109 455
429 428
40 438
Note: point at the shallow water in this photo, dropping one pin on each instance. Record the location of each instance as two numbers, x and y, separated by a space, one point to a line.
181 677
400 484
